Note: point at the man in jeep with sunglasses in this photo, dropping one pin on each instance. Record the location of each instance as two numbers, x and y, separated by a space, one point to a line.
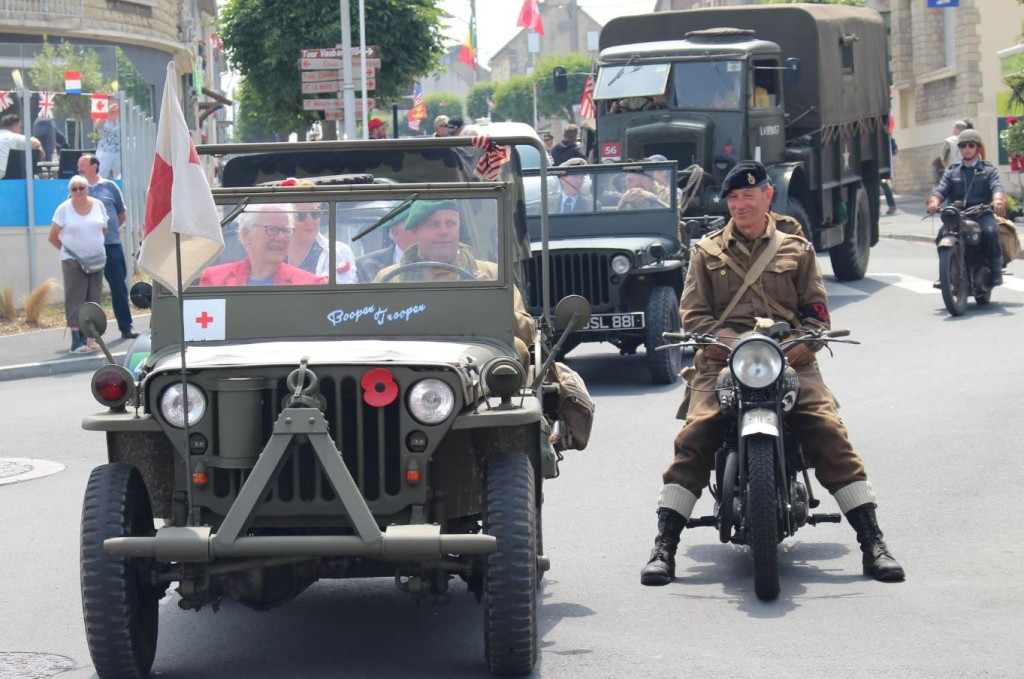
974 181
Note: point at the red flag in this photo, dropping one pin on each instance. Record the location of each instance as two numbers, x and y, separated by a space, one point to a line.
587 102
100 103
529 16
178 202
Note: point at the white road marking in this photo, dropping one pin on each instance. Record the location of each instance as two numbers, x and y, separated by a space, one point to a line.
912 283
842 290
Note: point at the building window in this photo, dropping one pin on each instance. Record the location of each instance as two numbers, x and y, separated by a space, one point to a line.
949 37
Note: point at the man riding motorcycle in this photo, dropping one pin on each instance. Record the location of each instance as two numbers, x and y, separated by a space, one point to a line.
716 299
974 181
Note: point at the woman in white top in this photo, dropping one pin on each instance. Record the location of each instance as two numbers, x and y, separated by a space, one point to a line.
78 231
309 249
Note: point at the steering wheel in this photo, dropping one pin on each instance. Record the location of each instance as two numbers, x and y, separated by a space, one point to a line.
463 273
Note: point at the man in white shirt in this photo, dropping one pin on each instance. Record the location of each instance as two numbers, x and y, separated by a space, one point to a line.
11 138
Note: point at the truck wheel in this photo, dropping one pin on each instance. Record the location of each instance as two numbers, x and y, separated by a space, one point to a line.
796 210
510 579
120 603
662 316
850 258
762 515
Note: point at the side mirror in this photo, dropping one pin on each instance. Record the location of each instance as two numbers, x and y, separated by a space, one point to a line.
793 71
92 321
572 313
141 295
559 79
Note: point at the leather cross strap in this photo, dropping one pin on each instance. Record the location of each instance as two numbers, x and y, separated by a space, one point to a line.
749 277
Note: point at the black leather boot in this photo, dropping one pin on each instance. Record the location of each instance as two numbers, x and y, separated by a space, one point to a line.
995 267
878 562
661 567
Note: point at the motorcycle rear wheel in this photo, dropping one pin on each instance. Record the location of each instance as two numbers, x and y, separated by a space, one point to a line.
762 515
952 279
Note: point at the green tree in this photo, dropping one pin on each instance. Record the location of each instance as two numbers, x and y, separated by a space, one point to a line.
476 100
133 84
250 123
560 104
513 99
262 39
438 103
47 75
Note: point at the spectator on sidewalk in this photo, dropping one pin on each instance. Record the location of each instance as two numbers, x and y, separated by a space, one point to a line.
887 183
567 148
108 145
11 139
116 270
77 230
950 153
441 126
45 130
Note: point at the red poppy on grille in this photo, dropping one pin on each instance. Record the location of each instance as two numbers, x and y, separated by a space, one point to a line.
379 387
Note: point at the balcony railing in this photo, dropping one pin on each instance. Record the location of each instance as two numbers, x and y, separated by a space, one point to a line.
36 10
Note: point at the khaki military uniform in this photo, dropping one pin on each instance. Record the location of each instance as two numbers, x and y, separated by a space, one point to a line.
790 289
787 224
526 329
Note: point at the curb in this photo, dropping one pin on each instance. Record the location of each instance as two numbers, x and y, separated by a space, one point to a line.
922 238
61 366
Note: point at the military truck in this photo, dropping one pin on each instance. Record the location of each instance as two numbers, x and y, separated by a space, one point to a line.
619 248
802 88
288 426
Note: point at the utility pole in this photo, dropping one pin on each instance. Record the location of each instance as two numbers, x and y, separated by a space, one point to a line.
573 26
348 89
473 40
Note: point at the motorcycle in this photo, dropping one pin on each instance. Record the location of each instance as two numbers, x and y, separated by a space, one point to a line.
963 269
762 490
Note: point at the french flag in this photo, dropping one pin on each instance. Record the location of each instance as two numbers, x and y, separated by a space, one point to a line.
72 82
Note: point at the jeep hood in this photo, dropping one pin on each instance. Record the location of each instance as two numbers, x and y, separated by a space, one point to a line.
617 243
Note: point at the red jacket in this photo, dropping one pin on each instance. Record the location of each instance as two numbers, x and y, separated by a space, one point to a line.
237 273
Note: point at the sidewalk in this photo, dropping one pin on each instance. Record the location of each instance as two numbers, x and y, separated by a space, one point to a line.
912 223
45 352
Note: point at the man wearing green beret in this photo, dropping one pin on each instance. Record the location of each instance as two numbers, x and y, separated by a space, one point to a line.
436 226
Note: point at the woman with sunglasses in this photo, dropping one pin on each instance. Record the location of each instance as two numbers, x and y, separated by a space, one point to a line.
78 229
309 249
974 181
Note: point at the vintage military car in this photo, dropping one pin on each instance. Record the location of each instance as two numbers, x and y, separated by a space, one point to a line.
615 241
292 424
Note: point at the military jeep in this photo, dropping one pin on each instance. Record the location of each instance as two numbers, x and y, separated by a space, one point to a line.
288 427
618 246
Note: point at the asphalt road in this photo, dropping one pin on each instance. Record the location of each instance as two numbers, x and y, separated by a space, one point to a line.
932 406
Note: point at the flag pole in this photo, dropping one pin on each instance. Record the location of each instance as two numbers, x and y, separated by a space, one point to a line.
184 381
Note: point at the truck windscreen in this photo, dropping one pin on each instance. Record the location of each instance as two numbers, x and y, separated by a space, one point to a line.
708 84
631 80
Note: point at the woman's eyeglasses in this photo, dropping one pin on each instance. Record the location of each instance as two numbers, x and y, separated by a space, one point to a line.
278 230
967 144
312 214
79 188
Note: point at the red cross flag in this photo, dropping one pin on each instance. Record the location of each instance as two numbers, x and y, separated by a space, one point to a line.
179 201
204 319
100 104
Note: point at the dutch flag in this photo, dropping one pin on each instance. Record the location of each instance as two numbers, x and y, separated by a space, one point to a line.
72 82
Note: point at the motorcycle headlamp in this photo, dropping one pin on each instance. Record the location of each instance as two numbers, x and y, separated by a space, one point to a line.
756 363
949 215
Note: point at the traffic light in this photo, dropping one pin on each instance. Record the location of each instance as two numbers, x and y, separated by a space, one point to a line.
560 79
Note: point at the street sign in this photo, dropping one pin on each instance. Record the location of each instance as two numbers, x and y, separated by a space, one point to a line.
340 115
943 3
368 63
333 104
321 87
319 76
372 52
319 64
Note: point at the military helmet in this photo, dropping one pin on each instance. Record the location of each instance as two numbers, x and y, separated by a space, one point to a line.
970 134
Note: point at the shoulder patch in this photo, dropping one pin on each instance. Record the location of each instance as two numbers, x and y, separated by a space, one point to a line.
808 246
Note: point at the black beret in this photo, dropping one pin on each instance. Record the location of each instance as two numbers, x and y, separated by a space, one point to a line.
745 174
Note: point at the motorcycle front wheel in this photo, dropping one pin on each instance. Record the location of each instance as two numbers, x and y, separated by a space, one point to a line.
953 279
763 515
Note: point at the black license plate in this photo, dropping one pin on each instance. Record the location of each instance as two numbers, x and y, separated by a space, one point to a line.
633 321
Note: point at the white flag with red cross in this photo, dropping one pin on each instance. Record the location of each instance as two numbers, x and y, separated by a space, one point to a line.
179 201
100 106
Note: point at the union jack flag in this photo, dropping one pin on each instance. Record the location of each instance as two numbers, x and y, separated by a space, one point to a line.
418 111
587 102
5 99
46 104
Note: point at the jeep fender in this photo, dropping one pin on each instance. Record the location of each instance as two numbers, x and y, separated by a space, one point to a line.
788 178
946 242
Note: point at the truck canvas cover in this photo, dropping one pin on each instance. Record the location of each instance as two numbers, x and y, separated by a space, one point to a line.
815 34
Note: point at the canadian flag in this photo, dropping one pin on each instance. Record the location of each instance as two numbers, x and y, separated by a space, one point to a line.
100 104
179 201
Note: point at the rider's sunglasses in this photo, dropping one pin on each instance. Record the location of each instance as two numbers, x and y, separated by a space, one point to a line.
967 144
313 214
275 230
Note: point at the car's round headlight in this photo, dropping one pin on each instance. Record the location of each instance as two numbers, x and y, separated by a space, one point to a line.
621 264
431 401
172 405
756 363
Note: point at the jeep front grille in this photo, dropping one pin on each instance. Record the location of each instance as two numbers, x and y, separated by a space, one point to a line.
573 273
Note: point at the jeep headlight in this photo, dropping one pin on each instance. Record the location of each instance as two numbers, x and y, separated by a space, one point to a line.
756 363
172 405
431 401
621 264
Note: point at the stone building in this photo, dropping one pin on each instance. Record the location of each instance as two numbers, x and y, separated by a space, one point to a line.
567 28
945 67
